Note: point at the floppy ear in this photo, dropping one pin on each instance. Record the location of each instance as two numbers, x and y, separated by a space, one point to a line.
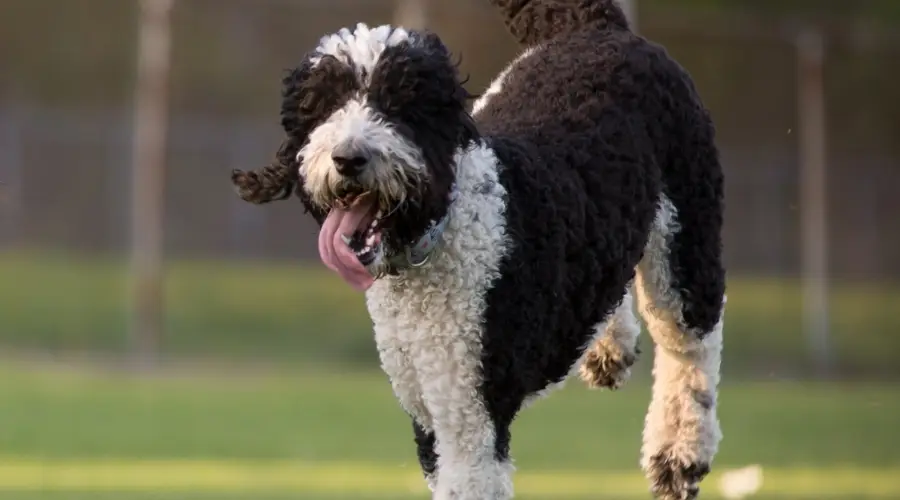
281 177
293 107
277 181
299 111
274 182
434 47
308 96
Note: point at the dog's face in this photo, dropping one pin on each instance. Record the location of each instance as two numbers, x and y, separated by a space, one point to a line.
375 117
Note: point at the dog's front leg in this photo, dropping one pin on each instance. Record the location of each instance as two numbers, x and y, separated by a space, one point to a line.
396 362
471 444
468 465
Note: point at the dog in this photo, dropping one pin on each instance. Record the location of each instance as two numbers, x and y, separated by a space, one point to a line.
500 246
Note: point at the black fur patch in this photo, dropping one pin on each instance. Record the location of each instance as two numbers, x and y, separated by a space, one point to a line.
425 449
415 86
536 21
310 95
695 185
608 128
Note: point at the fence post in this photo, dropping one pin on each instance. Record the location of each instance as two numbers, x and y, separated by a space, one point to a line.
117 179
631 12
813 196
148 180
411 14
10 178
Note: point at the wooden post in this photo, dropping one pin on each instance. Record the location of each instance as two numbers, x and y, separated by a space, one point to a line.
813 196
411 14
148 180
631 12
11 170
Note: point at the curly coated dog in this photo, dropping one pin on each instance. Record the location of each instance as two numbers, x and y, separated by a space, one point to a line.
498 246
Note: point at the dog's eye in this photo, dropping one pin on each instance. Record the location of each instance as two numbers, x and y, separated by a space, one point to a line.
323 90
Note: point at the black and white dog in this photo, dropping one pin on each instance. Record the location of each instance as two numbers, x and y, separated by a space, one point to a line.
497 248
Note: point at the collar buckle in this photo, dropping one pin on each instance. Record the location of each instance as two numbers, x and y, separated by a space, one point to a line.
419 253
413 262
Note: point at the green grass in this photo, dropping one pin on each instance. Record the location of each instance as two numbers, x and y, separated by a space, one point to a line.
220 309
74 434
301 314
177 478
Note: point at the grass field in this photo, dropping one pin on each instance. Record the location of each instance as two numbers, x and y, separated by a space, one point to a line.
73 434
297 314
307 428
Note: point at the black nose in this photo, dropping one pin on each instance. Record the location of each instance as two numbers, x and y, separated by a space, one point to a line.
350 161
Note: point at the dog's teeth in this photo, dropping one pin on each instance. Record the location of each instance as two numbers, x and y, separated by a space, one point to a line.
365 253
370 241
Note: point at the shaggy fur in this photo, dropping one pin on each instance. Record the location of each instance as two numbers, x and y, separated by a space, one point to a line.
589 169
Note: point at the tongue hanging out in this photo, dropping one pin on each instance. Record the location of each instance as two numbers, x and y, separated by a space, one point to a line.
348 240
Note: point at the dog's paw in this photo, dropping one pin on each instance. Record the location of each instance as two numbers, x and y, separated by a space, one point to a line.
606 367
673 479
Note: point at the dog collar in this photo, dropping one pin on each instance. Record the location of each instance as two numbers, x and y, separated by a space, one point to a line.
419 253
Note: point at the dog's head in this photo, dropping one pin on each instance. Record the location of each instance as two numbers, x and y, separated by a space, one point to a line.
374 117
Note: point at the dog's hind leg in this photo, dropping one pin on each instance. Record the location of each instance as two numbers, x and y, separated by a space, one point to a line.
607 363
682 307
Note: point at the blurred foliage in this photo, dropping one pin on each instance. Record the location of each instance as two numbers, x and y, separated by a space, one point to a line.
66 79
886 11
883 10
229 54
82 52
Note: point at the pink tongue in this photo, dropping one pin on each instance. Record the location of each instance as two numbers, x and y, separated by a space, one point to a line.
335 253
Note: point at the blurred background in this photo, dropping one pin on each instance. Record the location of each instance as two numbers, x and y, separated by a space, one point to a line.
161 339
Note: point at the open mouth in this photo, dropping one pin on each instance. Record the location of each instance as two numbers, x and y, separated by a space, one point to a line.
363 217
351 239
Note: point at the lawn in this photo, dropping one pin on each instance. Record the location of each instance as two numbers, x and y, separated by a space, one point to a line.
300 314
321 424
74 434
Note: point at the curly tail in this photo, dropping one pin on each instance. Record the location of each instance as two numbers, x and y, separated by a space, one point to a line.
535 21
